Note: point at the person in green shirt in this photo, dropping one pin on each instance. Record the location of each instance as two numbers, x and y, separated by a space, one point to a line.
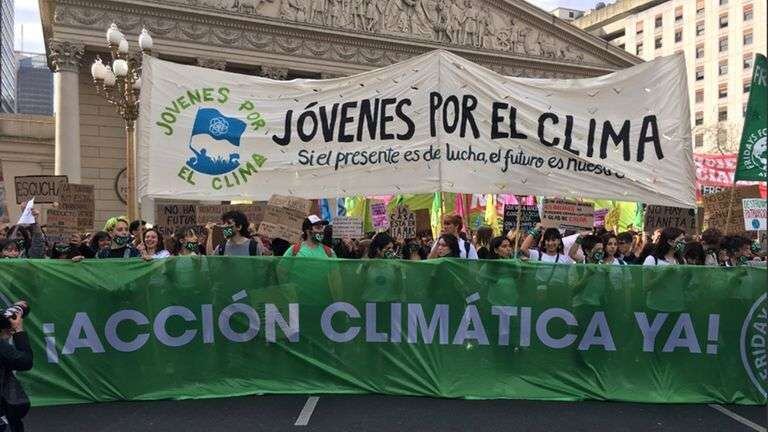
311 246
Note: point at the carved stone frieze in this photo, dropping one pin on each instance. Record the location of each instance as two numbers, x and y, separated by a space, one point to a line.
274 73
211 63
469 23
481 28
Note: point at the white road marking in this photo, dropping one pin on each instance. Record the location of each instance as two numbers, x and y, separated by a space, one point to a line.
738 418
307 411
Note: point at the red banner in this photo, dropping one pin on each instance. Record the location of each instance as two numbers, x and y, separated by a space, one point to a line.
714 173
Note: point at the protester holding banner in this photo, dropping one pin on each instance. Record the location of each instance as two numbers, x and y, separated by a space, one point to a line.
710 240
121 246
185 242
550 247
137 232
694 253
153 245
237 240
738 250
447 246
382 246
626 247
313 232
610 243
500 248
452 225
483 238
70 250
668 250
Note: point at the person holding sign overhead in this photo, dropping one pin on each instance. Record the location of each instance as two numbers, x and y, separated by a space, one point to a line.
550 247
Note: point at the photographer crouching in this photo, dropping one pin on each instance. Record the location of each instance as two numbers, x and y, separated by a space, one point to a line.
15 355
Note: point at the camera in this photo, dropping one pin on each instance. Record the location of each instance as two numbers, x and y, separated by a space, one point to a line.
11 313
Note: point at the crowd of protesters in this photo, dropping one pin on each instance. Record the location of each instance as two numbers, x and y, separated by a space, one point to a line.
136 239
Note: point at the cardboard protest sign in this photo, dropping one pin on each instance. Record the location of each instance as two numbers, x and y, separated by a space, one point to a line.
212 213
60 225
567 214
529 217
423 221
754 214
718 206
80 199
274 231
379 216
402 223
44 189
283 217
172 215
347 227
4 218
663 217
299 204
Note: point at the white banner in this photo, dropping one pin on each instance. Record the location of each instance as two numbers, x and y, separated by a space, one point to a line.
434 122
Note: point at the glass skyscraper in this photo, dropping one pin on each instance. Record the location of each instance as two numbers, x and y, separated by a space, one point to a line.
7 58
34 85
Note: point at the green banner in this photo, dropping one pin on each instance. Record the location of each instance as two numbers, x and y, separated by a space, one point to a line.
201 327
753 154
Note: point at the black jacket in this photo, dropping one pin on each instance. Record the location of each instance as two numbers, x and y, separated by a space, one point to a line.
17 356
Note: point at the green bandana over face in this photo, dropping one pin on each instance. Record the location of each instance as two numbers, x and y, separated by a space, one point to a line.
598 256
679 246
228 231
743 260
121 240
317 237
191 246
389 254
63 249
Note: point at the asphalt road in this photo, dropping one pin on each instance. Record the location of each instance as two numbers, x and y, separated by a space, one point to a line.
387 413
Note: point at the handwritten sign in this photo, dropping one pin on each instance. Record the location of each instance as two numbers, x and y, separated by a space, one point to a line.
44 189
299 204
675 217
274 231
79 198
529 217
402 223
754 214
347 227
212 213
61 224
4 218
173 215
716 208
288 217
566 214
379 216
423 222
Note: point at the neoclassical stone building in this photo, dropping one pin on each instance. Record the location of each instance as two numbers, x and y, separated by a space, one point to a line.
286 39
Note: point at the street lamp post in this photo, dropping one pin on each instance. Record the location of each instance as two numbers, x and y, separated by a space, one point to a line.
120 83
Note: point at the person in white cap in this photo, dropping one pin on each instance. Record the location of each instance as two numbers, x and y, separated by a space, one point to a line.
311 246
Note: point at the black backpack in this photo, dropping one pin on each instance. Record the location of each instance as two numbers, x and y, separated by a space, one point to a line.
253 247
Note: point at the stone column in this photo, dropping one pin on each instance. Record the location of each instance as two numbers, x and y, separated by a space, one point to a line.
65 58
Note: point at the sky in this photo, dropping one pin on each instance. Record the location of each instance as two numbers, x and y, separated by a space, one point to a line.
28 15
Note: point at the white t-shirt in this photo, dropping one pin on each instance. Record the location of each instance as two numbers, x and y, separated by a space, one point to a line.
535 255
162 254
651 261
616 261
463 249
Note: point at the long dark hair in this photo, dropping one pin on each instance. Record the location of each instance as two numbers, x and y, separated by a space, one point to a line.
663 247
453 243
484 236
160 241
495 244
379 242
97 237
606 238
551 234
